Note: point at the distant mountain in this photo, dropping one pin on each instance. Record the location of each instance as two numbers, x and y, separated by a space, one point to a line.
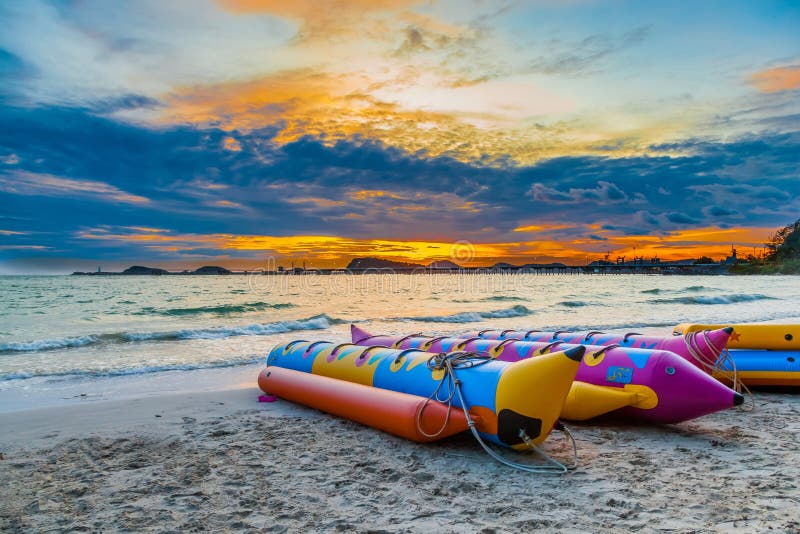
378 263
503 265
443 264
138 269
211 269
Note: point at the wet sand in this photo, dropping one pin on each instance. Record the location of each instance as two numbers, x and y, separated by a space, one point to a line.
219 460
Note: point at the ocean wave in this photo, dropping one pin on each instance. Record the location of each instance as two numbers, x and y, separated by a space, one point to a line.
503 298
103 373
695 288
224 309
473 317
719 299
49 344
317 322
573 303
690 289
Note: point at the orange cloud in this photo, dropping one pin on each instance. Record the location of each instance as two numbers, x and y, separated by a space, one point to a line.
426 86
323 21
225 204
232 144
147 229
412 107
312 9
682 244
365 194
316 202
380 70
777 79
543 227
336 106
707 235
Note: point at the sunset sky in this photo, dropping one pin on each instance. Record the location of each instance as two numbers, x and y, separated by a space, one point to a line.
193 132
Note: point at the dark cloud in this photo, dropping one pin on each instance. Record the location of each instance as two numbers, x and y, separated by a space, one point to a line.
12 65
718 211
414 42
604 193
124 103
213 181
14 74
724 192
465 55
681 218
645 217
587 55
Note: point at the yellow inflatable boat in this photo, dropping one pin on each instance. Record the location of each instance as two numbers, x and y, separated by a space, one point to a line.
753 335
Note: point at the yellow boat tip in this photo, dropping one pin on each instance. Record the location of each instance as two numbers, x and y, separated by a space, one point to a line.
531 394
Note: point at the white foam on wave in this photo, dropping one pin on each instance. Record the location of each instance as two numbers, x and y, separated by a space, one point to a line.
714 299
473 317
126 371
317 322
49 344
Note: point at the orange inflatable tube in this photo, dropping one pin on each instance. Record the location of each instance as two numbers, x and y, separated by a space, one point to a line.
389 411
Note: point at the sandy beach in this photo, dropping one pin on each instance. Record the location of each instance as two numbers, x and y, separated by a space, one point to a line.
219 460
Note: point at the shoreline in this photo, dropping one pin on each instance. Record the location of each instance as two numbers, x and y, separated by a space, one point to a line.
209 456
75 391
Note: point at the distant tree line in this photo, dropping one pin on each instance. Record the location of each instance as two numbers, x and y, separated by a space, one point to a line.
782 255
785 243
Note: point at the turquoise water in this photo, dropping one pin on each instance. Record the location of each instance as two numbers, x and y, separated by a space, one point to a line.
57 328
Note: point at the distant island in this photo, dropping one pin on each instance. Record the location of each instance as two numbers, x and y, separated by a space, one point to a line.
139 270
379 263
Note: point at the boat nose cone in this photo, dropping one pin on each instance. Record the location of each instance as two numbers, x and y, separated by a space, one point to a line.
575 353
738 399
358 334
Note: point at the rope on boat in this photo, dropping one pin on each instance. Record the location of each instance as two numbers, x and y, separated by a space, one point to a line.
693 345
448 363
466 360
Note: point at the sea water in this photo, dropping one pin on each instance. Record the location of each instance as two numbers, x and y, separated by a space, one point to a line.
56 331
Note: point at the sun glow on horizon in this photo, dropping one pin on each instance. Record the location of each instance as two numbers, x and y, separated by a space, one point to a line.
337 251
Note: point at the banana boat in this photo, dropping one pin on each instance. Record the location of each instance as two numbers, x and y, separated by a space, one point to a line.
652 385
514 405
784 337
701 348
761 367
